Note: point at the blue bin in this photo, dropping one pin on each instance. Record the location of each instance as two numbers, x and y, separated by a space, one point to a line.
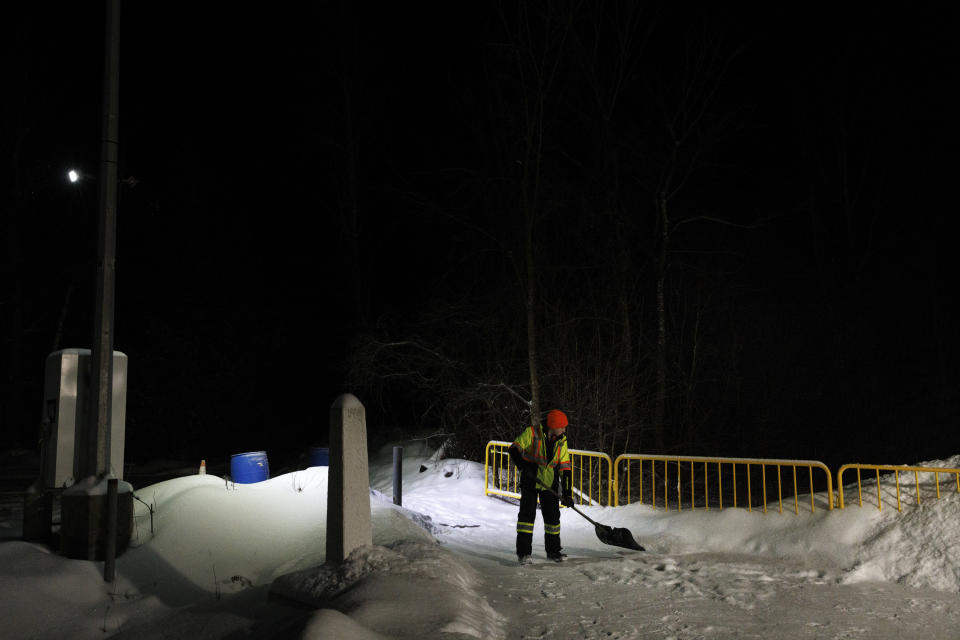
319 457
247 468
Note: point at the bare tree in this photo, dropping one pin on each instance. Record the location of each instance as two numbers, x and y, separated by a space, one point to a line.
687 122
538 34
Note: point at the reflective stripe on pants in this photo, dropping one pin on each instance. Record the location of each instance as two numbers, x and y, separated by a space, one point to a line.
525 527
550 509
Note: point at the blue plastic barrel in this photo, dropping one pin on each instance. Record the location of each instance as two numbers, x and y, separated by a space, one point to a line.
247 468
319 457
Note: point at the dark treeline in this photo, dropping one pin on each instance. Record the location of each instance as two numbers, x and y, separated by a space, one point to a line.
732 252
716 232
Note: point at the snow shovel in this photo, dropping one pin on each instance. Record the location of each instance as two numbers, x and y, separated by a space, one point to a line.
614 536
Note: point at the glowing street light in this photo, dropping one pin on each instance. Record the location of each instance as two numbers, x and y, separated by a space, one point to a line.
75 175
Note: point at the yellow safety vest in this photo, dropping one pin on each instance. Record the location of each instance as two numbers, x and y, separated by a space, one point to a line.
535 447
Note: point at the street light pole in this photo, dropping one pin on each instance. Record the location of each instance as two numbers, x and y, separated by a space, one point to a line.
89 520
96 458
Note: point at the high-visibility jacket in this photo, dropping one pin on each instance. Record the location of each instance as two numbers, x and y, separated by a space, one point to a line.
549 457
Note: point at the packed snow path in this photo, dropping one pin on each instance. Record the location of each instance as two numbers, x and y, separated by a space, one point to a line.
702 595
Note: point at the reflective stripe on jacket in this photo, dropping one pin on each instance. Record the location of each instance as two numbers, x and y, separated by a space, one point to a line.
535 447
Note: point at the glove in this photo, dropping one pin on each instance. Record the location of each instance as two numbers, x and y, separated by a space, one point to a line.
528 469
567 500
517 458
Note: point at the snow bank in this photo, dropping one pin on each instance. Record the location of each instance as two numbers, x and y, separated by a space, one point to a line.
920 546
406 589
225 537
827 538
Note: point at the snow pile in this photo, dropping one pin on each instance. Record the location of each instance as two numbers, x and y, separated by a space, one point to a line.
823 537
920 546
221 536
224 537
42 595
385 588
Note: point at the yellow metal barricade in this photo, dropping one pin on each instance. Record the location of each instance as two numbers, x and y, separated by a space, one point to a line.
710 474
877 468
591 474
500 477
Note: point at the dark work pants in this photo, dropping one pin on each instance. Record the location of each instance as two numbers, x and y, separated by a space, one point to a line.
549 507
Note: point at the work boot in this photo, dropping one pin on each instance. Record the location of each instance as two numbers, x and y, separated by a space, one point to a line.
523 558
556 556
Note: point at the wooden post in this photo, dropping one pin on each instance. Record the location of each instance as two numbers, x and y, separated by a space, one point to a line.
398 476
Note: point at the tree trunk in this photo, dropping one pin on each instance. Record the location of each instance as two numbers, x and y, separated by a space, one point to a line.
660 401
532 329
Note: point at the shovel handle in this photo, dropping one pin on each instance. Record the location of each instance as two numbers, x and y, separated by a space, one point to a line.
589 519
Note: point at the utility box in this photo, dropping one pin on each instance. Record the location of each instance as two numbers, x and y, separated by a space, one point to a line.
66 392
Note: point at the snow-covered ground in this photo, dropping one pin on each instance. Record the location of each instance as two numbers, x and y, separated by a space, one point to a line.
246 561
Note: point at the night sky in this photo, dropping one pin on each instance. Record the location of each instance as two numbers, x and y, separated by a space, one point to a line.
811 237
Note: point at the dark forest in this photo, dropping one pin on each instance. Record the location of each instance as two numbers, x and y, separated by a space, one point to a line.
696 231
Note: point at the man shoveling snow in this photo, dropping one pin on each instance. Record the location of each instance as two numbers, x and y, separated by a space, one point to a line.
545 473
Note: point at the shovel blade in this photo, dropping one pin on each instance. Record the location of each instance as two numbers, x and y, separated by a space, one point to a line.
617 537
